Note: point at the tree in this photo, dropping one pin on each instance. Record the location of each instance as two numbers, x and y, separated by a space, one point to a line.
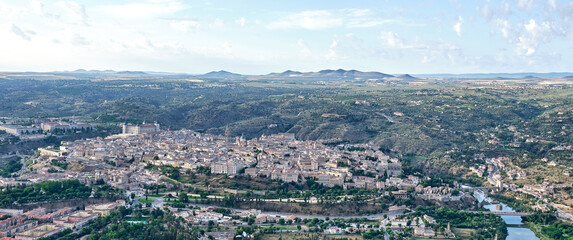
183 197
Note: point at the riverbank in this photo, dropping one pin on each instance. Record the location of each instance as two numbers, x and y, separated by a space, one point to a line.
520 231
516 201
537 229
547 226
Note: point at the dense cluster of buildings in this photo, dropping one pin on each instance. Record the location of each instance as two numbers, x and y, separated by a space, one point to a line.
493 170
41 222
121 159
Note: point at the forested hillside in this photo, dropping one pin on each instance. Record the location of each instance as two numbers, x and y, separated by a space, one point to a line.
408 118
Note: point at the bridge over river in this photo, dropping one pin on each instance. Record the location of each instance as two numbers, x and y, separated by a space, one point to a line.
503 213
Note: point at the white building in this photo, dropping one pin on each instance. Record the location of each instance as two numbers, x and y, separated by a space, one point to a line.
19 130
140 128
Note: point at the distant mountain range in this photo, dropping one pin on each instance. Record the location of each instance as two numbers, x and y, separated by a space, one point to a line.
339 74
524 75
359 75
406 77
221 74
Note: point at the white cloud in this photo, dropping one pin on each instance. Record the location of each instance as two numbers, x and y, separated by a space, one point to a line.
507 31
552 4
489 13
142 44
332 54
366 23
241 21
323 19
217 23
37 7
185 25
18 31
535 35
362 18
303 48
429 51
227 49
146 9
536 30
79 40
525 4
458 26
70 38
393 40
390 38
11 11
527 37
426 59
74 9
359 12
485 11
312 20
127 34
525 32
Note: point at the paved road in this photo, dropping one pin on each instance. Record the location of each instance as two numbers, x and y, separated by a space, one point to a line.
562 214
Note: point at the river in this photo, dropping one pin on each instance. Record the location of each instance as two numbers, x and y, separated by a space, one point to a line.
514 232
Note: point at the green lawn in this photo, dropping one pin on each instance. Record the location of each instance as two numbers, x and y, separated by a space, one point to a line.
464 233
143 200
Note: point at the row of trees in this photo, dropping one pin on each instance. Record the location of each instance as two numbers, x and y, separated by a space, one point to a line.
48 190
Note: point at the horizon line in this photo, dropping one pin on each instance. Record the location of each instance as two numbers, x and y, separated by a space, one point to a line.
326 69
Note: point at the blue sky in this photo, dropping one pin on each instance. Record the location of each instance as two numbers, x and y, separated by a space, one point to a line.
258 37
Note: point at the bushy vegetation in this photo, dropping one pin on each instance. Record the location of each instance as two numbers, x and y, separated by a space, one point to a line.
487 225
549 225
159 225
521 203
49 190
107 191
11 167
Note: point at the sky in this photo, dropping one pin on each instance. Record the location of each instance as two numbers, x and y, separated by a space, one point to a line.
263 36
